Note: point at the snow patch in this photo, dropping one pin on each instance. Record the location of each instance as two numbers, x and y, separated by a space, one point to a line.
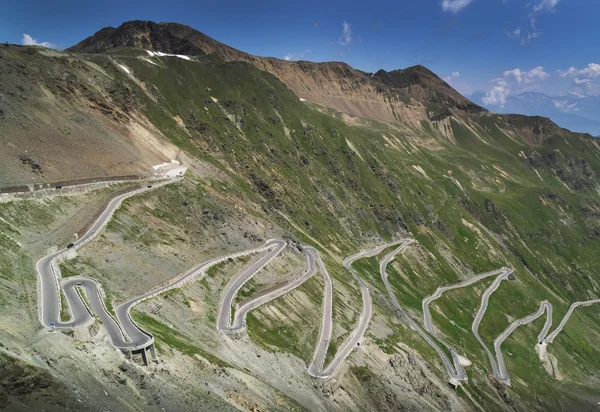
161 54
125 69
173 169
176 171
173 162
149 61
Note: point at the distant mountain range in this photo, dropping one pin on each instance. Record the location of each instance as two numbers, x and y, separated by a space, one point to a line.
576 113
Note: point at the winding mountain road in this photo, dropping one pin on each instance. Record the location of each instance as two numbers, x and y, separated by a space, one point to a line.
123 331
502 374
239 318
125 334
236 283
550 338
427 320
453 368
317 366
48 271
485 298
543 338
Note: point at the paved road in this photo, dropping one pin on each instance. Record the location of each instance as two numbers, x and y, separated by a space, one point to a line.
239 318
137 336
485 298
550 337
427 320
453 368
125 334
502 374
232 288
543 338
48 271
318 363
317 366
72 288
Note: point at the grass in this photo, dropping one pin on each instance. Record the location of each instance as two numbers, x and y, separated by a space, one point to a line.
165 336
297 339
65 313
68 269
481 204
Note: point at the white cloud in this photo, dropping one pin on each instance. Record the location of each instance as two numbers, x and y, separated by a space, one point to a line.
297 56
513 81
453 76
454 6
583 79
497 96
27 40
530 35
346 36
527 77
591 71
565 107
524 35
538 7
544 6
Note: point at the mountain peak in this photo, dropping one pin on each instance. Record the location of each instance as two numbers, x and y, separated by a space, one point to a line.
171 38
427 87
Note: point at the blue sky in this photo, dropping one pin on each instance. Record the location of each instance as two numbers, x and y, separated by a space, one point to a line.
497 46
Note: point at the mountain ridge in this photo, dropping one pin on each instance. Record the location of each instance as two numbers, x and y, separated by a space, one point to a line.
382 95
412 95
576 113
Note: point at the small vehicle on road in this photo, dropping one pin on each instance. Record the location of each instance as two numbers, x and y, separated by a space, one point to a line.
149 186
70 245
80 283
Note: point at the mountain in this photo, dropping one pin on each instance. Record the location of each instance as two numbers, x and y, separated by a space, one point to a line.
367 159
161 37
414 92
577 113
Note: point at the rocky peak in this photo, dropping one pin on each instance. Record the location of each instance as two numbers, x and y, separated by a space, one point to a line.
423 85
163 37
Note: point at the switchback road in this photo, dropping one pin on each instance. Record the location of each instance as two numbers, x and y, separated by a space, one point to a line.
453 368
